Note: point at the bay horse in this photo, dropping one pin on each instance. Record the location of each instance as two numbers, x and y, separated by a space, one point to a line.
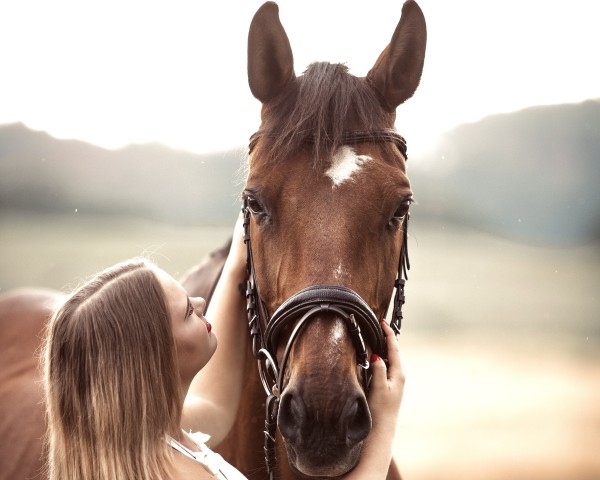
326 204
326 199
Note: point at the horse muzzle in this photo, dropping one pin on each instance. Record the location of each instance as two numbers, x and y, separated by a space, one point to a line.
323 438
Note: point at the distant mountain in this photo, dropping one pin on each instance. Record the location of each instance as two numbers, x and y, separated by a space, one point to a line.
533 175
41 173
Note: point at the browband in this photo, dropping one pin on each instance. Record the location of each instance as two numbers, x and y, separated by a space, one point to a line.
351 138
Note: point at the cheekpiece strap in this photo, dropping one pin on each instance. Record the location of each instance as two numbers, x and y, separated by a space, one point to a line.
403 268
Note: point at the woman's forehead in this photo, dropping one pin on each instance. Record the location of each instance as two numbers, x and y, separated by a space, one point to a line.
174 291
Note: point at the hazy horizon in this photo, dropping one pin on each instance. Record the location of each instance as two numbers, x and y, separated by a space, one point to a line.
127 72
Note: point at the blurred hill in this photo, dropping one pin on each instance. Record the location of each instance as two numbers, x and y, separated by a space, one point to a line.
41 173
532 175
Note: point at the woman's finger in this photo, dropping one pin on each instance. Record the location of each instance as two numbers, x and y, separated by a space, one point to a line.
378 371
394 370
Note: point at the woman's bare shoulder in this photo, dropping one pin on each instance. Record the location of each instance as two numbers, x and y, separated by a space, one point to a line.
185 468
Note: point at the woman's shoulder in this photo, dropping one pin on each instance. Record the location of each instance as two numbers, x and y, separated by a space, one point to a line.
200 461
185 468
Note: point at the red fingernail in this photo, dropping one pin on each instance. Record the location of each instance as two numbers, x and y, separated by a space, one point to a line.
374 358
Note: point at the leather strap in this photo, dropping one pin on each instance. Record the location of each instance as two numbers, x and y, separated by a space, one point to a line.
350 138
334 298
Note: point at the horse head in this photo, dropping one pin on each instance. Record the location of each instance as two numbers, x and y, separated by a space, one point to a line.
326 197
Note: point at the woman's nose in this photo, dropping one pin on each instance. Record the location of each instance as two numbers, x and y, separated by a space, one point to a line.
199 304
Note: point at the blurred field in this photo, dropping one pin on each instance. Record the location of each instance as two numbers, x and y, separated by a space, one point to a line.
501 341
62 251
501 350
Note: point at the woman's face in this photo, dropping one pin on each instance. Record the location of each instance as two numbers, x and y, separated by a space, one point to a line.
194 339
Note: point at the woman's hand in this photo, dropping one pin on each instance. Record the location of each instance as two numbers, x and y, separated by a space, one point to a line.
387 388
387 384
236 260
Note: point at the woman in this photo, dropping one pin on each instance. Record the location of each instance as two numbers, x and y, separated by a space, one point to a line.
121 360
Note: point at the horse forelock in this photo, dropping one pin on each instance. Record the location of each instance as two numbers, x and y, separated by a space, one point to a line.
315 111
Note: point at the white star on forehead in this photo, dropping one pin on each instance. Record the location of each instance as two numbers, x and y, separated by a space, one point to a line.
344 164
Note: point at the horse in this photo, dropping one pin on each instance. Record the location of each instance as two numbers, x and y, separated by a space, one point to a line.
23 315
326 203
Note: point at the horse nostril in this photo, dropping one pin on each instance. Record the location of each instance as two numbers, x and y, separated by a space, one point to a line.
292 414
359 420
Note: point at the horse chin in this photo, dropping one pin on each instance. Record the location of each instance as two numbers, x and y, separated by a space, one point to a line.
313 464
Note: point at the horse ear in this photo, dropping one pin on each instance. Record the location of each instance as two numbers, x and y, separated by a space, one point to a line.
397 71
270 58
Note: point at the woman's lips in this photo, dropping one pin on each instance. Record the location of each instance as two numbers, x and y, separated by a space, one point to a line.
208 327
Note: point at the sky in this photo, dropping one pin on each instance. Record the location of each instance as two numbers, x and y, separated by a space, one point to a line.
116 72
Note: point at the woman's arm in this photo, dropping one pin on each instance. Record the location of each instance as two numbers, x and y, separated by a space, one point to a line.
387 388
213 398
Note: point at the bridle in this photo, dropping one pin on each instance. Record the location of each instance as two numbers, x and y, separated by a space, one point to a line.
305 304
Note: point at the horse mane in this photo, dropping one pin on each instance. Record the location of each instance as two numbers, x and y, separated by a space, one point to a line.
317 109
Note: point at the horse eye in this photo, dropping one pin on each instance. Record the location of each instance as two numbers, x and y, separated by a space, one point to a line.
254 205
399 214
403 209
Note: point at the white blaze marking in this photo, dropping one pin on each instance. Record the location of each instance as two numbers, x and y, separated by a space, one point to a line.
339 272
333 344
337 332
344 164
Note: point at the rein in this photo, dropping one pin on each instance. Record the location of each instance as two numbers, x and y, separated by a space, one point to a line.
305 304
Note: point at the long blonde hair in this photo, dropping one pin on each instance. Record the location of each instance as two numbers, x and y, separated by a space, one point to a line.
111 380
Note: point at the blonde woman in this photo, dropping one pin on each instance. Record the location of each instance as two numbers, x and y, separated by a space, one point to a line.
121 359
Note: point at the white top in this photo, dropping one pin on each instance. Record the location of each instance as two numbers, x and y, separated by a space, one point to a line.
211 461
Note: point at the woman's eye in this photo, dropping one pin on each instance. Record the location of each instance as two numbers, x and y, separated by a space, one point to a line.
190 309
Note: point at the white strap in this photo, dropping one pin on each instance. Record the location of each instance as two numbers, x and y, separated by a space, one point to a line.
180 448
211 461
